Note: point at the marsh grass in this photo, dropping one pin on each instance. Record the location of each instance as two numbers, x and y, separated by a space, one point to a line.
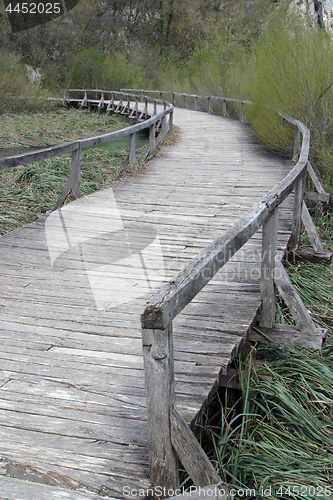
275 435
29 191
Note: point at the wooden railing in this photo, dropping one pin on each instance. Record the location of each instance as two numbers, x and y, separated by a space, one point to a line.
118 102
169 436
195 101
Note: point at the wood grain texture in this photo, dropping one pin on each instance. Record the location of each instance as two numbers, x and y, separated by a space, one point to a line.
72 396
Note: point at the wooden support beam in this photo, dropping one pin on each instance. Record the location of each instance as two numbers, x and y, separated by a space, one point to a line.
160 398
289 335
311 230
308 255
131 159
297 144
296 224
310 195
269 246
292 299
190 452
317 183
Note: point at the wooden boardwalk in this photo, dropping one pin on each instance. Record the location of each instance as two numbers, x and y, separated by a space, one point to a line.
72 397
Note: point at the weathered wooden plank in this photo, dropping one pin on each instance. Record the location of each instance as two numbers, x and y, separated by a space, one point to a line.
292 299
18 489
190 452
269 244
159 381
311 230
309 255
289 335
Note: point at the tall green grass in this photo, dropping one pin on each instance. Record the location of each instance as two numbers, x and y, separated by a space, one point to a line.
275 436
291 70
29 191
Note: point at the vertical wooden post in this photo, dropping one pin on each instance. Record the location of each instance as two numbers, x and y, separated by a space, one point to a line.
160 95
160 396
196 106
242 112
208 104
171 121
101 102
131 157
152 142
184 102
224 108
84 100
146 108
76 172
173 98
267 286
155 107
297 214
163 126
297 144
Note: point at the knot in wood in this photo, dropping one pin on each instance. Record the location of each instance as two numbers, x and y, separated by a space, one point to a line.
158 353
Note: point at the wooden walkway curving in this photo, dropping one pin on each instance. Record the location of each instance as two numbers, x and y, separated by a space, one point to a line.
72 398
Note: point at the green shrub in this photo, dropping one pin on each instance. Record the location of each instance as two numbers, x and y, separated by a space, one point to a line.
17 92
291 70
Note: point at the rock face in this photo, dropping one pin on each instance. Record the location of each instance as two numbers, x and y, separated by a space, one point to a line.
321 11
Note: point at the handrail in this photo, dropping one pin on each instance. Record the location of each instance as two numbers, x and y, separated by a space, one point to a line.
171 299
224 100
76 146
168 435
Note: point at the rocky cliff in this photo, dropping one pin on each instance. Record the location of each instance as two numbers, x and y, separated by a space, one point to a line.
321 11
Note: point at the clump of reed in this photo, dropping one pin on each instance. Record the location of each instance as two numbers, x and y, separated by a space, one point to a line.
274 437
29 191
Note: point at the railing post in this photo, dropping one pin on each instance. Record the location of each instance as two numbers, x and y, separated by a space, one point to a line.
242 112
131 157
224 108
146 108
297 144
160 397
160 95
163 126
76 172
208 104
65 96
84 100
196 106
101 102
297 213
155 107
171 121
184 103
111 103
152 141
173 98
267 286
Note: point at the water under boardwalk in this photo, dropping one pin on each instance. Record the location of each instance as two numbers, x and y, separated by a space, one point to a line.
72 397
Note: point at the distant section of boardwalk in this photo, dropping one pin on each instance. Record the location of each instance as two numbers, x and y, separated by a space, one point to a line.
72 397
